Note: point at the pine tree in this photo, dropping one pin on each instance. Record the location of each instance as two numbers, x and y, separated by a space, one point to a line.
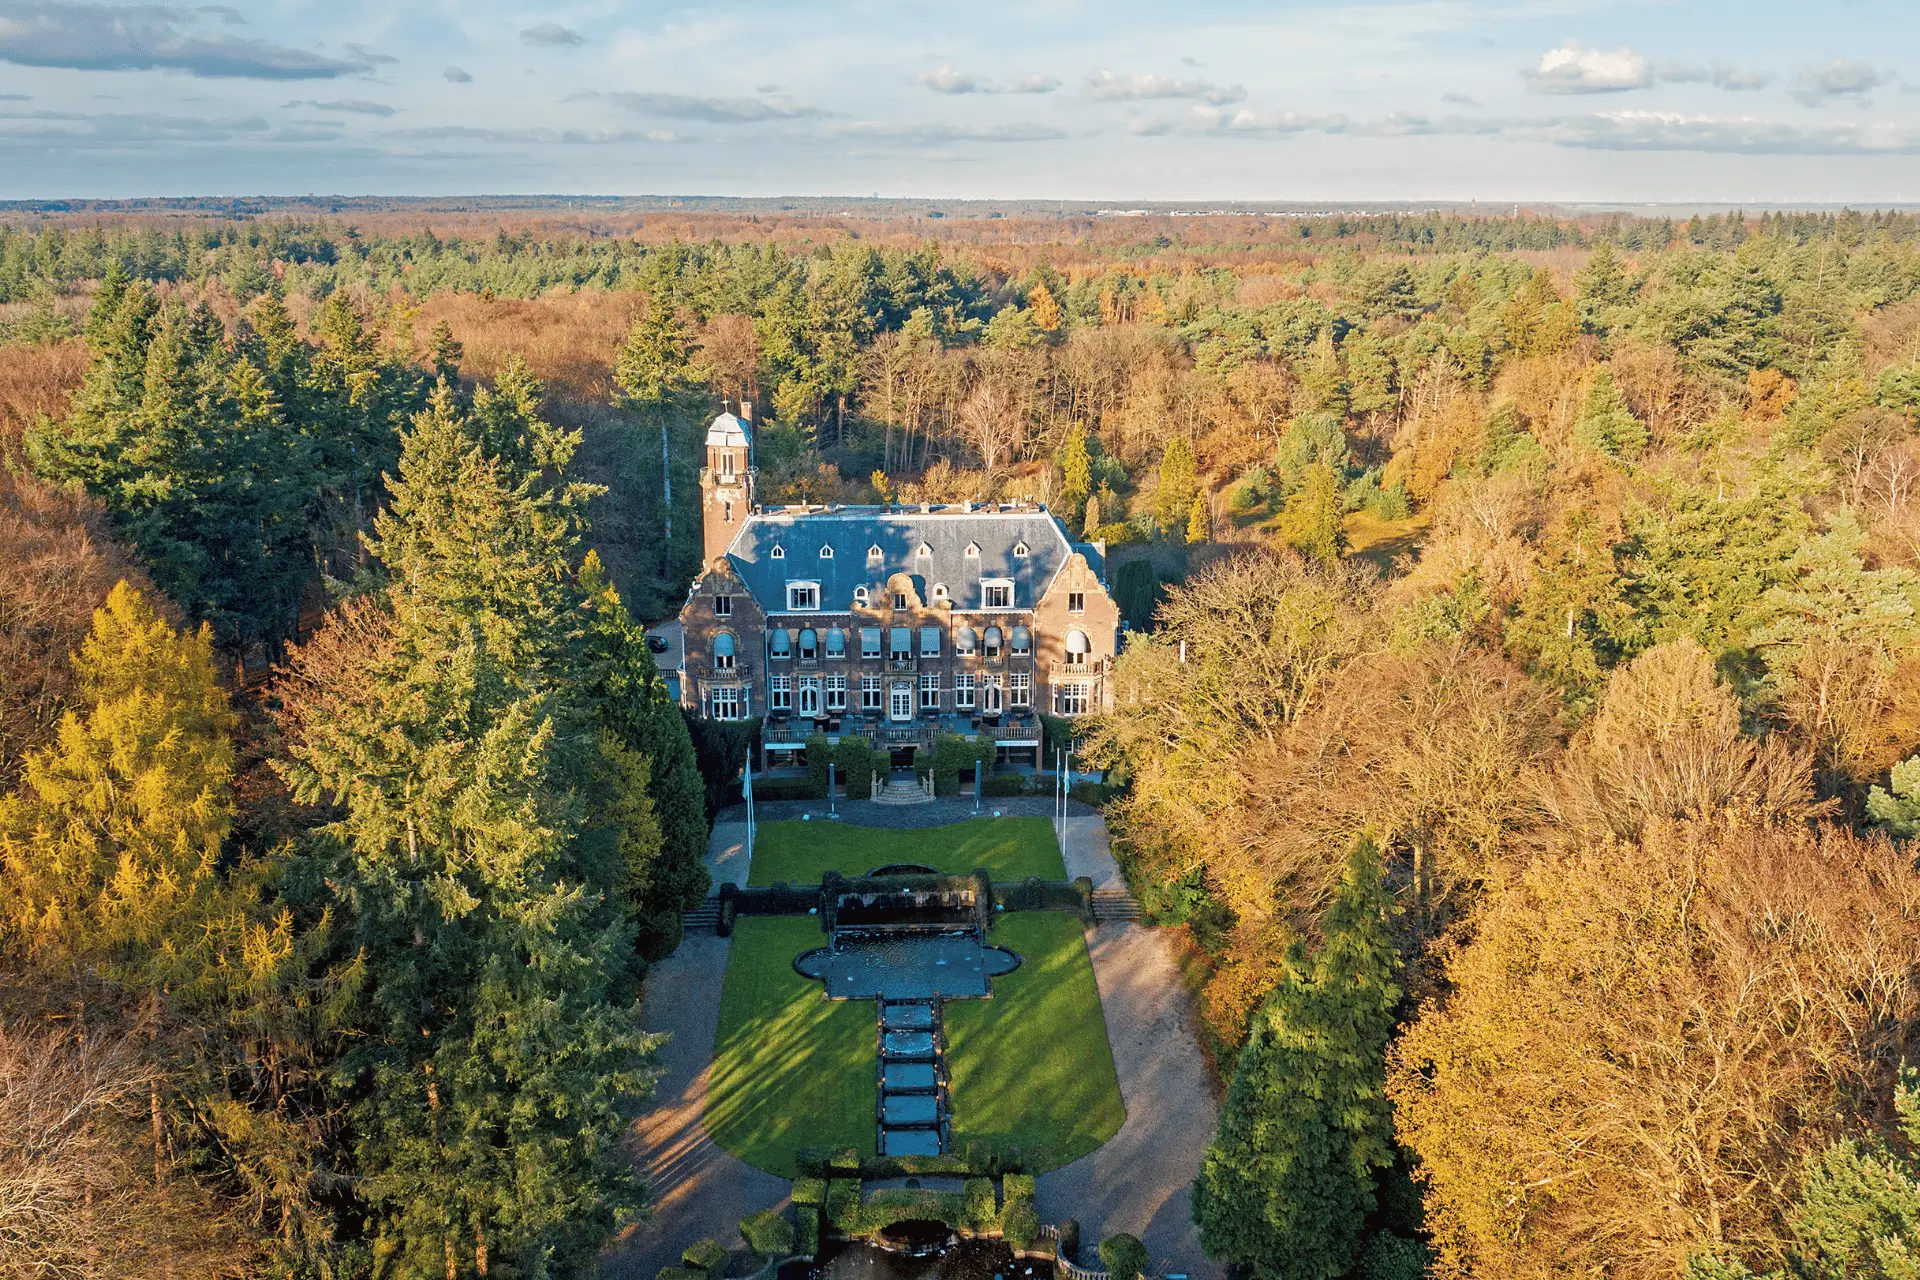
1895 809
653 365
1287 1185
1606 424
111 848
1076 476
1311 523
1178 484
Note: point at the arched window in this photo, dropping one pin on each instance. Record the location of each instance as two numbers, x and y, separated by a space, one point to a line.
939 591
836 643
723 651
965 641
809 645
1078 648
993 642
779 644
1022 642
860 596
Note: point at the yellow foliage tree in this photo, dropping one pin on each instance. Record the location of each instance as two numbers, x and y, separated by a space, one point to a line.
116 834
1046 312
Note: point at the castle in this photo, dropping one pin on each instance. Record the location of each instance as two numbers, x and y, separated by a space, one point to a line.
891 622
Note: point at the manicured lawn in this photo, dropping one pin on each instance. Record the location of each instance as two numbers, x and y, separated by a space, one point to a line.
790 1069
1009 848
1032 1067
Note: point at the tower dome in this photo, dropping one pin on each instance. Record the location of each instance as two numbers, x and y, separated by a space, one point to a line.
728 431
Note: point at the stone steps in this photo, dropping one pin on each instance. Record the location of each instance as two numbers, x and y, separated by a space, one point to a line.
1114 904
704 916
901 792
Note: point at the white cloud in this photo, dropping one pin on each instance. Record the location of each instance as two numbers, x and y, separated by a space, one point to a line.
551 33
1573 69
682 106
454 75
91 37
939 132
1836 81
1031 82
947 78
1109 86
1672 131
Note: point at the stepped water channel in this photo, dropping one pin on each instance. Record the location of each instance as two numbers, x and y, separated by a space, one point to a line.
909 952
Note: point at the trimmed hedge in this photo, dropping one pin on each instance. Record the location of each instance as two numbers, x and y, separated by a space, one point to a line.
806 1231
1003 784
778 900
810 1191
784 789
1018 1186
707 1258
1035 894
854 763
678 1273
976 1159
1020 1224
901 1204
1123 1256
768 1234
1093 793
979 1211
954 755
843 1205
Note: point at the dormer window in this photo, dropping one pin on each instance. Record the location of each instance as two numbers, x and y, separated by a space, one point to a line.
996 593
778 553
1020 549
803 596
925 552
940 591
973 551
874 555
826 553
860 596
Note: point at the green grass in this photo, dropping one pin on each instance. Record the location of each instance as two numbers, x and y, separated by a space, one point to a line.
1009 848
790 1069
1032 1067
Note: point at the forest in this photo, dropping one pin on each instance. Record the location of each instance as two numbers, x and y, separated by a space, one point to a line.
1519 723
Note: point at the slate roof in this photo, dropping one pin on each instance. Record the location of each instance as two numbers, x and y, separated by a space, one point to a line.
899 533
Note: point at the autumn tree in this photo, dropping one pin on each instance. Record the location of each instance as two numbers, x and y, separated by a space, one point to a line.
1311 522
1178 484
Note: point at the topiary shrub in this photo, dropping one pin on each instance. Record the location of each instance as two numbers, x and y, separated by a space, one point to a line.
979 1212
768 1234
707 1258
729 908
806 1231
1018 1186
844 1158
1019 1224
811 1191
843 1205
1124 1257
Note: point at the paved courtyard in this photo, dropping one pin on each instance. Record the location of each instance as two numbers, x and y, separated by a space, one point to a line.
1137 1182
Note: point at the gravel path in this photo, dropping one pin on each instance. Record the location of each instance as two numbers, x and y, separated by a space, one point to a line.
1139 1181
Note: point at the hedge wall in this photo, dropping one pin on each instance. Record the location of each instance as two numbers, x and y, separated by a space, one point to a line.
1035 894
1003 784
953 755
901 1204
976 1159
854 762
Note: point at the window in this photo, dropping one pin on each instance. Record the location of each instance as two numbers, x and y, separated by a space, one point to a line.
923 552
836 644
929 642
940 591
726 462
728 702
809 645
1077 648
965 641
869 693
1020 689
1020 550
779 645
990 695
1022 642
826 553
780 693
723 606
802 596
899 599
1076 602
873 554
973 551
723 652
836 694
993 642
963 692
996 593
900 702
1073 698
869 642
899 644
809 695
778 553
729 507
860 596
930 691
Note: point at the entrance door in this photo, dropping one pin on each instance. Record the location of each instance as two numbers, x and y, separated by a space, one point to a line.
990 695
810 695
900 702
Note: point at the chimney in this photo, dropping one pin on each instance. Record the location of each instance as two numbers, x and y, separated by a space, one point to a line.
746 411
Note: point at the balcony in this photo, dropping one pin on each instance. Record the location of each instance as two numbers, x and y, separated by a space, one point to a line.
1091 669
900 662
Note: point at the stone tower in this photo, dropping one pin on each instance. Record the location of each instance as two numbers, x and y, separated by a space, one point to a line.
726 482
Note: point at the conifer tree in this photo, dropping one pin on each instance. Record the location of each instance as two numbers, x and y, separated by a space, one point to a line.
653 365
1606 424
1198 526
1287 1185
1076 475
1177 486
1310 523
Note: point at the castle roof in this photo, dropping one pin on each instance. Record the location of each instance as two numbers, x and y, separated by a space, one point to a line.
1027 546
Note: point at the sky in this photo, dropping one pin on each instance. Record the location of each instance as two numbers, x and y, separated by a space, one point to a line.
1603 101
